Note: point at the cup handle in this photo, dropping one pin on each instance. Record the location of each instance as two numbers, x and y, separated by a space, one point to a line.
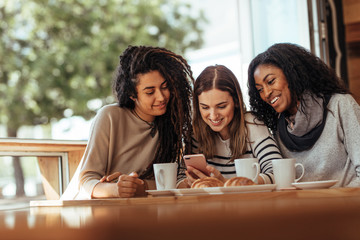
257 166
302 171
160 178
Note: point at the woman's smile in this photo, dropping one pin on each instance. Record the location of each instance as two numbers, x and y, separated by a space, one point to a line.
216 122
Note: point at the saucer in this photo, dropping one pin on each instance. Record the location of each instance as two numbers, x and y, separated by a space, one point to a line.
315 184
160 193
287 188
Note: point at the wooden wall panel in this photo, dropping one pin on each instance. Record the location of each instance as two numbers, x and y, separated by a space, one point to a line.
352 32
351 11
353 66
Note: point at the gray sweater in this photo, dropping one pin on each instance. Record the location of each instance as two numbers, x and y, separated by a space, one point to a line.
336 154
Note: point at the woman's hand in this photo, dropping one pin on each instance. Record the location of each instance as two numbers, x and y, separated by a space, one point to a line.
127 185
119 185
193 174
216 173
111 177
130 185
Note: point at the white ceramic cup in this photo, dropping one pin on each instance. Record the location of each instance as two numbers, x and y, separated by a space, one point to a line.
247 167
165 175
284 172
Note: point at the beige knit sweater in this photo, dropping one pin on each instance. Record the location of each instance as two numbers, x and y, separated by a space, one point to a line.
119 142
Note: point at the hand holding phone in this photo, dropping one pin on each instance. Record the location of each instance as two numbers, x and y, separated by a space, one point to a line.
198 162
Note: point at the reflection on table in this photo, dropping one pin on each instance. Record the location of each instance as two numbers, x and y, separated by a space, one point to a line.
293 214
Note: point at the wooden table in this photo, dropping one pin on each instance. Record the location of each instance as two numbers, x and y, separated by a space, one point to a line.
57 159
292 214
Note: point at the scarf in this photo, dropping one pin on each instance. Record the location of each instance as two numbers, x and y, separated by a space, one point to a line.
307 126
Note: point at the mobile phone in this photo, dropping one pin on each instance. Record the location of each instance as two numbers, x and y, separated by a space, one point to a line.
197 161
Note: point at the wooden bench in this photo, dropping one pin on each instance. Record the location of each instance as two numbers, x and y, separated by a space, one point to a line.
57 160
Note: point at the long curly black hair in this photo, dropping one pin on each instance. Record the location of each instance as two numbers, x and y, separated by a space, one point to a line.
174 126
303 71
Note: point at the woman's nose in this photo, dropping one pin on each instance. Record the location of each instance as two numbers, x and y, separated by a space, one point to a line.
267 91
213 114
160 95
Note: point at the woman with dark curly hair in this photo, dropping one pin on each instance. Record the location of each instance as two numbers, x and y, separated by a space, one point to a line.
310 111
151 123
225 131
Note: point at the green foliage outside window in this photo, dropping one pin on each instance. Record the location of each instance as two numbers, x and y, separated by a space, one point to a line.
57 56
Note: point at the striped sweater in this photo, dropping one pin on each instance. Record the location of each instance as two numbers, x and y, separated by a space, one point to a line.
260 145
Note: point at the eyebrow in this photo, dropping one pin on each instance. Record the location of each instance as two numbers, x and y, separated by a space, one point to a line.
216 104
146 88
152 87
265 78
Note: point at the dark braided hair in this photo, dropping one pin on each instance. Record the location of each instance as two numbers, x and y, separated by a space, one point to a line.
304 72
174 126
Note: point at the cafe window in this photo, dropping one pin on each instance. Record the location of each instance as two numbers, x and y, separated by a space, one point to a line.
234 33
32 181
240 29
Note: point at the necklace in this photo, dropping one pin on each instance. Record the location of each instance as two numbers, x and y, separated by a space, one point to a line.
151 124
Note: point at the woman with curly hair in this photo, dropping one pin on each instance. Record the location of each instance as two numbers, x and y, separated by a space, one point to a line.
150 124
225 131
312 114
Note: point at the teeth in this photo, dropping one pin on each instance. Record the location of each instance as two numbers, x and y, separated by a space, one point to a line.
215 121
274 100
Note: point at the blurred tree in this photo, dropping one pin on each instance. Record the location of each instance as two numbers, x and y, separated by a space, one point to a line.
58 56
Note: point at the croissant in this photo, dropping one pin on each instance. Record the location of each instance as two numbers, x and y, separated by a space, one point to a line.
207 182
238 181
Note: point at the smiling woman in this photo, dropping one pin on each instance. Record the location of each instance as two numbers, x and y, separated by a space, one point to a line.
152 96
217 110
224 131
143 128
273 88
312 114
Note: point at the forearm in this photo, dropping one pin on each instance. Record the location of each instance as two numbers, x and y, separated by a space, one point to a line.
266 178
261 180
105 190
183 184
